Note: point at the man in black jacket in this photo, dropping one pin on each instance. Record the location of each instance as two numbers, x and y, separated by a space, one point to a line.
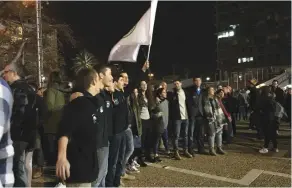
197 122
117 141
80 134
280 94
179 113
23 124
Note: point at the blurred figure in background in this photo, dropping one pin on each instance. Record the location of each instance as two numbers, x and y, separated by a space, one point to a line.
55 100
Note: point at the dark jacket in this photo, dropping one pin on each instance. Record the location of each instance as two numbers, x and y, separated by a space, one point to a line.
105 104
253 97
266 107
157 119
120 112
81 122
136 121
280 95
174 106
23 119
196 102
230 103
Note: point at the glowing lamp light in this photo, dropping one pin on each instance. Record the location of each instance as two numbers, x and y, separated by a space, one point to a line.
208 78
28 3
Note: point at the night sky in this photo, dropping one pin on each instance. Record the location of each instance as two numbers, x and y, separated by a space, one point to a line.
184 32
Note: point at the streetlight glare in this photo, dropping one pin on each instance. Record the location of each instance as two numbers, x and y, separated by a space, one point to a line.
208 78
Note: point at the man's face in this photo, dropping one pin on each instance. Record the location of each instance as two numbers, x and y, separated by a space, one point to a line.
97 84
275 84
9 75
164 85
163 94
126 78
111 88
226 90
198 82
290 91
221 94
106 77
143 86
177 85
120 83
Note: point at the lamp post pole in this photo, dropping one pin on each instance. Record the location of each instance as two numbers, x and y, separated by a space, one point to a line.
39 41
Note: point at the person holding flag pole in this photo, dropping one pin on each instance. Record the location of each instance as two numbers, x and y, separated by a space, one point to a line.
127 50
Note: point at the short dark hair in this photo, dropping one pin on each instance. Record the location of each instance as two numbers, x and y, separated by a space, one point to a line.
117 77
219 91
85 78
159 91
196 77
101 68
275 81
55 77
176 80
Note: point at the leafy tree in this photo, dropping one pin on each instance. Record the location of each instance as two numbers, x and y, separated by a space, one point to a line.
18 25
83 60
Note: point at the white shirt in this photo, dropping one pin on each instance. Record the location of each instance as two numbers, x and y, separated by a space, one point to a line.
145 115
182 104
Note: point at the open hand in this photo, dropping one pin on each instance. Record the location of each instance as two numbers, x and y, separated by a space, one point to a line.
63 169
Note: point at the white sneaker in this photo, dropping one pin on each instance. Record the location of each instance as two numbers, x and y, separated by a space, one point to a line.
135 164
60 185
276 150
264 150
133 169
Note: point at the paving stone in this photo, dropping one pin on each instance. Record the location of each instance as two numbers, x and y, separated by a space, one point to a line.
155 177
262 181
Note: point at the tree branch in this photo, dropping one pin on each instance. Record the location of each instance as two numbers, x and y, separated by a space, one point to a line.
18 53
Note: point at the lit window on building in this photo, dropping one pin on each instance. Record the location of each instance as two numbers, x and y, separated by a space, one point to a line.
226 34
244 59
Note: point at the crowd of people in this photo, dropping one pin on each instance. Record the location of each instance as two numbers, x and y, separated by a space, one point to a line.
100 132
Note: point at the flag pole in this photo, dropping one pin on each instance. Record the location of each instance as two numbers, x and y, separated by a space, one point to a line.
148 54
152 20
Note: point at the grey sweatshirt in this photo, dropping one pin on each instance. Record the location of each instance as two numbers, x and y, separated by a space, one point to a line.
163 106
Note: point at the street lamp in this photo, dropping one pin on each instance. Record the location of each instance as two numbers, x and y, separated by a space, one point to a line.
208 78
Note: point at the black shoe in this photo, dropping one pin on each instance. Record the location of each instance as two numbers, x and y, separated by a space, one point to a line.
191 152
149 159
142 163
157 160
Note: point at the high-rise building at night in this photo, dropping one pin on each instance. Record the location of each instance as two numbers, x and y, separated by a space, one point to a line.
253 39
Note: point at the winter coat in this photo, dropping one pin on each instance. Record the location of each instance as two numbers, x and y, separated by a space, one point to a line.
215 116
55 101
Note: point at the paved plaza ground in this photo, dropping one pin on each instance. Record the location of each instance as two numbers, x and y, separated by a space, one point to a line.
242 166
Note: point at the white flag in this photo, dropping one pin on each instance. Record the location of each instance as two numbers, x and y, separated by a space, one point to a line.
127 48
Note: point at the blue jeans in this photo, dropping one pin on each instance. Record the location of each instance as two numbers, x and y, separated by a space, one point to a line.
164 137
117 149
196 132
22 164
178 124
217 135
102 157
129 148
